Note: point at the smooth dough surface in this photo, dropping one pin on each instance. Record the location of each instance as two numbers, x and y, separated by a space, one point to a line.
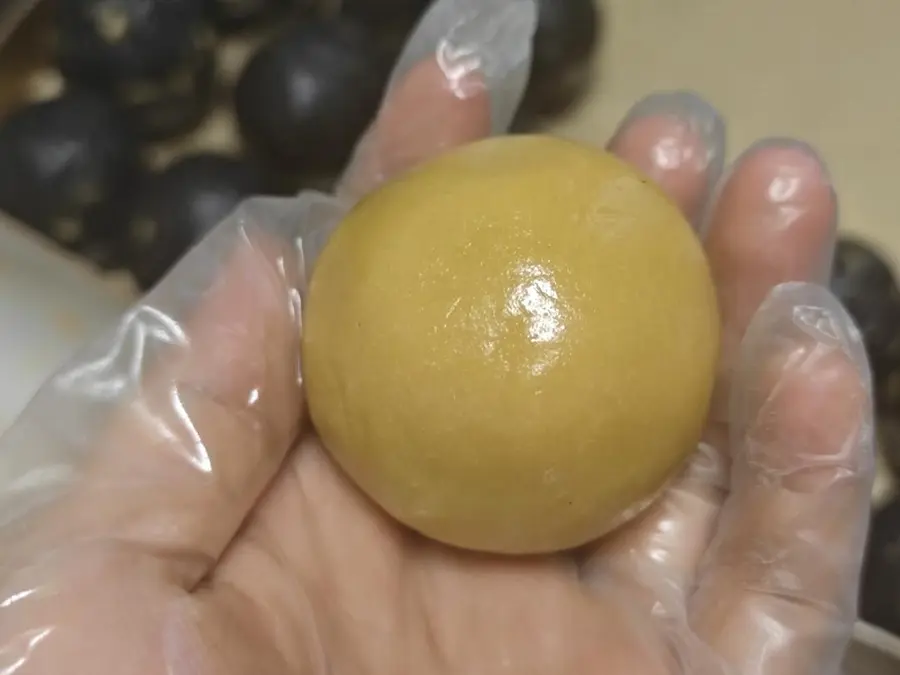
512 346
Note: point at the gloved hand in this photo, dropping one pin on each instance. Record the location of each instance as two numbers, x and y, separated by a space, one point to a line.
164 508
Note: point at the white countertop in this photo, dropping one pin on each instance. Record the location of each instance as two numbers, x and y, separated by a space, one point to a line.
49 305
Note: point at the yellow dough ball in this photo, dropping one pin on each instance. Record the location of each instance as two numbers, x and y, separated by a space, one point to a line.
512 348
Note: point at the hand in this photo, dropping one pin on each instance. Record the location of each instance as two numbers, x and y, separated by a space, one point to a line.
158 515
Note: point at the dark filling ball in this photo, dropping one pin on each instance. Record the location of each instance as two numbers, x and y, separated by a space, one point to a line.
889 443
880 594
886 374
174 104
68 168
177 207
567 34
103 40
391 21
155 56
232 16
863 280
305 98
384 13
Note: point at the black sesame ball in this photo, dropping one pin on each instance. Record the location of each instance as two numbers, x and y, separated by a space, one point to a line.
100 41
880 594
384 13
390 21
235 16
860 268
178 206
305 98
68 169
863 280
888 432
156 57
565 41
173 104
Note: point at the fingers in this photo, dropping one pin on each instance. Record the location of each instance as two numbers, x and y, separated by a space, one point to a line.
777 593
774 221
492 37
679 140
163 435
444 117
460 78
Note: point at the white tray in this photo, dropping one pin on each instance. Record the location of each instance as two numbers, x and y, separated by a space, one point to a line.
49 305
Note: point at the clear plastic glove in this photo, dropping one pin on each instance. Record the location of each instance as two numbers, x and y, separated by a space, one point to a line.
164 508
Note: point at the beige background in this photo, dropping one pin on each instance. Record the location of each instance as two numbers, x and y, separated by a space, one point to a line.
824 71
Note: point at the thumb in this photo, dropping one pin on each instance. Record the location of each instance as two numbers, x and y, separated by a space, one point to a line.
161 436
134 466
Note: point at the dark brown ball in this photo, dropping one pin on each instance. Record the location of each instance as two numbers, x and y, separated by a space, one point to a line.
155 57
68 169
180 205
567 35
305 98
880 591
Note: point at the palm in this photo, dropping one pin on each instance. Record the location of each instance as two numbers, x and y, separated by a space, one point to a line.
376 598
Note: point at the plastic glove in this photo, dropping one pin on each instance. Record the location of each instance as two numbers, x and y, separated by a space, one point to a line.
158 513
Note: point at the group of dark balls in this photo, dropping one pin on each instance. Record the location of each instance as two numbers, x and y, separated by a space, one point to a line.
863 278
139 73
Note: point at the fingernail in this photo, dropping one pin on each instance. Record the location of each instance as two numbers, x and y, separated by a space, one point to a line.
794 182
698 140
803 312
492 37
796 155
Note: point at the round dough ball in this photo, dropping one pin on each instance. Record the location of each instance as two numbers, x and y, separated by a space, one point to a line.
512 348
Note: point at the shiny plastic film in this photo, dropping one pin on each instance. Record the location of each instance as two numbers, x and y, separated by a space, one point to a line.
165 508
